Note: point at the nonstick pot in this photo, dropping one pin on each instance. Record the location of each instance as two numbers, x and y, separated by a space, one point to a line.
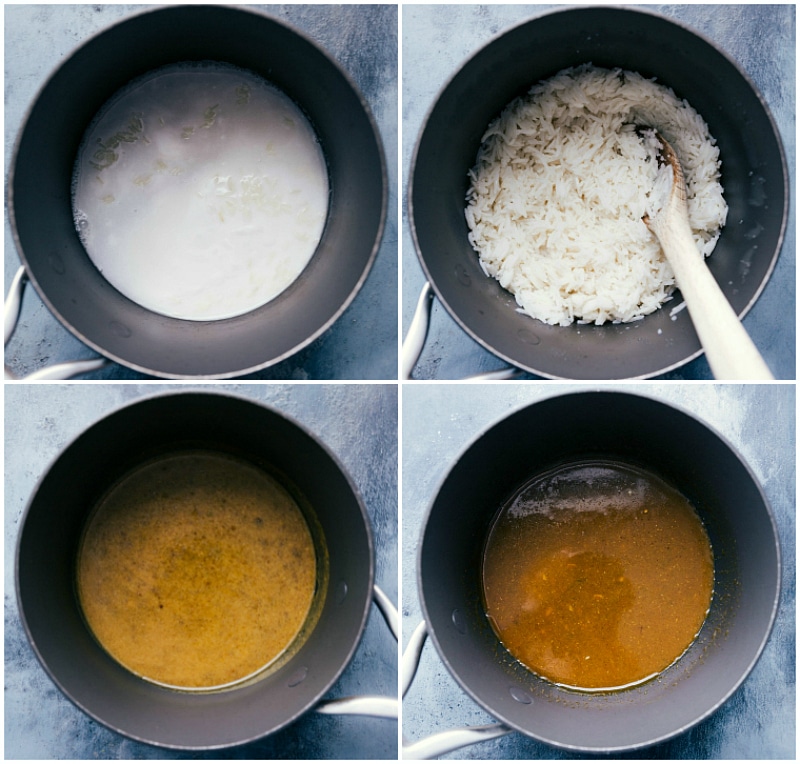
754 176
631 429
39 192
45 571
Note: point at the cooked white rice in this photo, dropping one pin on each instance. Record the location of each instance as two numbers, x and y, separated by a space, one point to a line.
560 185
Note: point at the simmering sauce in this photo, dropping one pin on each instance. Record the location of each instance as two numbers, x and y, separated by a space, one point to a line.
197 570
597 575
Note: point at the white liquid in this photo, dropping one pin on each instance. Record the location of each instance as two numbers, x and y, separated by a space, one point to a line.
200 192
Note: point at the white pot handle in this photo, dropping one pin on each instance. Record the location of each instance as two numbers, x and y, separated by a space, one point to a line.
11 311
441 742
369 705
418 333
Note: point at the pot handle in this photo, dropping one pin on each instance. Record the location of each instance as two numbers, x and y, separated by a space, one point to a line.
369 705
11 311
442 742
418 333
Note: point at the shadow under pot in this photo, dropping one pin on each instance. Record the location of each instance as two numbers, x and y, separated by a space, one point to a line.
73 287
645 435
59 533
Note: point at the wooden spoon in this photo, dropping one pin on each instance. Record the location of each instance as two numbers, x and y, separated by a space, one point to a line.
730 352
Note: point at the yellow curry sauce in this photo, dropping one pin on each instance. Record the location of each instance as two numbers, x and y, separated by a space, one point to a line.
196 570
597 575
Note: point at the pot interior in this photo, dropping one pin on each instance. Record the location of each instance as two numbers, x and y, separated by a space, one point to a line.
76 292
753 176
632 430
52 530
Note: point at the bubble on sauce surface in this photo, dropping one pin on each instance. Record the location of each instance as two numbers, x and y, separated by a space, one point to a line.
588 488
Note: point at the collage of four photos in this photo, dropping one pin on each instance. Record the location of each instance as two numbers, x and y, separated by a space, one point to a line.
400 381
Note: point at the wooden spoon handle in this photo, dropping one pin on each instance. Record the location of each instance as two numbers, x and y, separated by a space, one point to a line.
730 352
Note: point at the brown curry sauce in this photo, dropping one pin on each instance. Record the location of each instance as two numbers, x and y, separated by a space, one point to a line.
197 570
597 575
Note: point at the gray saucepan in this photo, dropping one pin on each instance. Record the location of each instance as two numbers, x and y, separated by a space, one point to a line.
633 429
40 210
754 176
51 529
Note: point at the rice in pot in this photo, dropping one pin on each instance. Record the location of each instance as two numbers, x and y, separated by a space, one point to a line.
560 185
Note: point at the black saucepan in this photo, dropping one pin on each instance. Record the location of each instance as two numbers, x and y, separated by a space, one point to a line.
637 430
754 178
51 529
75 291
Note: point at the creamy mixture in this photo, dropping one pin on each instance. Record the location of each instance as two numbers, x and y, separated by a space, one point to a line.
197 570
200 191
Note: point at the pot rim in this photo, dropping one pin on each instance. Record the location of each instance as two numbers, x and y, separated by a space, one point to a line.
645 11
485 705
344 663
355 289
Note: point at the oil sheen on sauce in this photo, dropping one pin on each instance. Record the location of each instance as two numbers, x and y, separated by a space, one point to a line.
200 191
597 575
198 570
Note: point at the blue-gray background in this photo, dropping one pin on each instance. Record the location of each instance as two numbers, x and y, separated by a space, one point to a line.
437 39
440 420
362 344
358 423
